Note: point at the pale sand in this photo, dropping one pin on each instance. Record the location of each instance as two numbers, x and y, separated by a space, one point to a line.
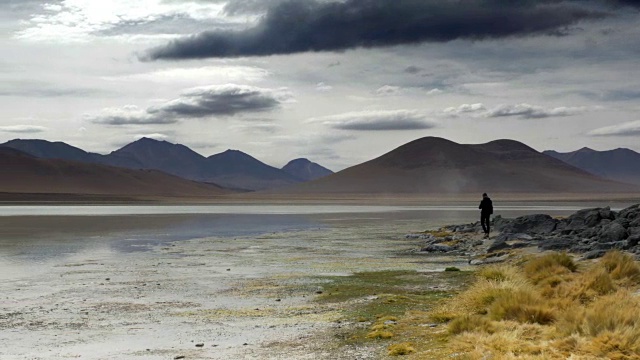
161 303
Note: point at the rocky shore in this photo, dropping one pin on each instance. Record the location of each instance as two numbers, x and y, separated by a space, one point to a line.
588 232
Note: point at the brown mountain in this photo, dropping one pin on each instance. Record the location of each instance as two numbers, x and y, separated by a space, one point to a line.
23 173
438 166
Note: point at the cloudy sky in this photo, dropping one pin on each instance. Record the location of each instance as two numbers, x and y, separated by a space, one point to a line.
336 81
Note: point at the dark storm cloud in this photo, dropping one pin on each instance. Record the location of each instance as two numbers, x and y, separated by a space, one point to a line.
202 102
224 100
302 26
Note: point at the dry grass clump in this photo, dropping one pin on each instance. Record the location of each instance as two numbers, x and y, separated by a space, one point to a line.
622 267
380 334
470 323
548 308
549 268
405 348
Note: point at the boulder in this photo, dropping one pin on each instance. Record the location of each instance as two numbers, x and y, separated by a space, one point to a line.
498 244
633 241
612 232
586 218
438 248
594 254
560 243
631 213
537 224
509 237
620 245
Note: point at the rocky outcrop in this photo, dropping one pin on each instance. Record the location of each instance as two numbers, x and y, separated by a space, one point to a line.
591 232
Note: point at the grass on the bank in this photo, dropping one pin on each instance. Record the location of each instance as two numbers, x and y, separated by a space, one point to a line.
548 307
376 300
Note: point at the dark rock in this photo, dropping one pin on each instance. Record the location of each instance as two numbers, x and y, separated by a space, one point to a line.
583 219
594 254
606 213
498 245
278 300
537 224
612 232
633 241
631 213
490 260
508 237
179 357
200 345
633 231
563 243
624 222
620 245
438 248
591 232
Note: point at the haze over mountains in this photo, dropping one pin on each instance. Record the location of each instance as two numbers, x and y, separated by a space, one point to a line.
619 164
232 168
438 166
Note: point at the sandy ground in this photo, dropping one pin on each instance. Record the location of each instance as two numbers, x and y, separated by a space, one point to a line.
243 298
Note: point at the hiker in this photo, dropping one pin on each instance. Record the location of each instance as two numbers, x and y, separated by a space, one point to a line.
486 207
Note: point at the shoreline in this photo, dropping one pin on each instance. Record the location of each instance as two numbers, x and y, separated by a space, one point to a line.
267 198
197 291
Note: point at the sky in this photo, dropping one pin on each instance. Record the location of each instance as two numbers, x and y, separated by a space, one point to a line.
336 81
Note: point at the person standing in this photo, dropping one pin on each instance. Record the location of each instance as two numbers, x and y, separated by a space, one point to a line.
486 209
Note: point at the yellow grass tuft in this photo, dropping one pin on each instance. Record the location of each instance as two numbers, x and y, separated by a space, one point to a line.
380 334
470 323
548 307
405 348
522 305
621 266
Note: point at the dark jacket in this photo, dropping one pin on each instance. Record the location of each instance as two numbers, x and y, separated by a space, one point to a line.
486 206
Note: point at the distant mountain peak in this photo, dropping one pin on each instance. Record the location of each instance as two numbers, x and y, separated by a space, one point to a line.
586 149
305 169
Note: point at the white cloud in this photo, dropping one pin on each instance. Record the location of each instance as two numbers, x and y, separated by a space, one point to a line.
23 129
528 111
205 74
322 87
465 109
434 92
81 20
523 111
389 90
631 128
377 120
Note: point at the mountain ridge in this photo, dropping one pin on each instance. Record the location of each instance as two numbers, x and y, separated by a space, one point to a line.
434 165
620 164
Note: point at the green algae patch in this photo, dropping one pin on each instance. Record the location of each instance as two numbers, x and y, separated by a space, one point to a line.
372 302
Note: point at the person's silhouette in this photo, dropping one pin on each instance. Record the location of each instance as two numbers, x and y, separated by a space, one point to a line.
486 209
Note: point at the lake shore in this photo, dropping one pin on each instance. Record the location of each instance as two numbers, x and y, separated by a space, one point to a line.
244 297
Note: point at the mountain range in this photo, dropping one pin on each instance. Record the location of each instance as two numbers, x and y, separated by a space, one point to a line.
26 174
621 165
434 165
231 169
428 166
